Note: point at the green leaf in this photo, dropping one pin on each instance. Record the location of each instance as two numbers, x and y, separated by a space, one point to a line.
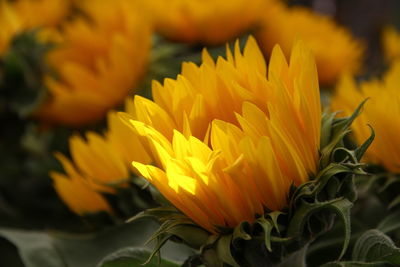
375 246
35 248
297 258
86 250
354 264
394 202
133 256
339 206
390 223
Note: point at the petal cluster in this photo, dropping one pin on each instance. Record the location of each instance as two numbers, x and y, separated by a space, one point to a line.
208 22
229 137
382 112
98 60
99 164
335 50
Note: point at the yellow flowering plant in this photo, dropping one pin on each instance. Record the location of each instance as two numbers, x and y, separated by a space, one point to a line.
244 155
231 161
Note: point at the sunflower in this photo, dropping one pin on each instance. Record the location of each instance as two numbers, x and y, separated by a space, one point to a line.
22 15
99 164
227 142
98 61
208 22
335 50
382 112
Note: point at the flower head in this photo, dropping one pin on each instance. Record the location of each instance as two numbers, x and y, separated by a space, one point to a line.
99 164
227 141
98 62
208 22
21 15
382 112
335 50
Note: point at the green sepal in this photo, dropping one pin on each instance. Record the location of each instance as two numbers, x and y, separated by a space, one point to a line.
337 129
267 227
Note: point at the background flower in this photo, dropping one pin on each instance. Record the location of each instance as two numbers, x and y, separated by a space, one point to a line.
100 163
335 50
98 61
208 22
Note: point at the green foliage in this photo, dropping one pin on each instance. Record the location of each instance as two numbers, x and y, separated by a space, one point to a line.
129 257
374 245
41 249
373 248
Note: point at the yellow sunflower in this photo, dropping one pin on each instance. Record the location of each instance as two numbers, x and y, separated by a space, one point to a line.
335 50
207 22
21 15
230 136
98 61
99 164
382 112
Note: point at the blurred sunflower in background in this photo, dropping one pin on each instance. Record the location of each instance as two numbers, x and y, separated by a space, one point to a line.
208 22
97 61
100 164
336 51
